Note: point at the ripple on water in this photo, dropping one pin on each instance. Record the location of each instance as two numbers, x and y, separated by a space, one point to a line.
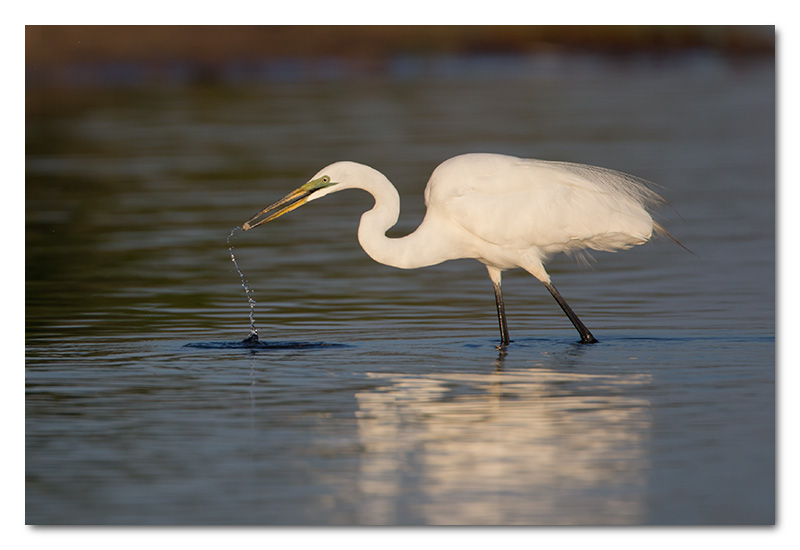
251 343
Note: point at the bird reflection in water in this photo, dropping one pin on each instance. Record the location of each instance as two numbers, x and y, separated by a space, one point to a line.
532 446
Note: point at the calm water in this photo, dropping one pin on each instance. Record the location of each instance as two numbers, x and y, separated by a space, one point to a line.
379 396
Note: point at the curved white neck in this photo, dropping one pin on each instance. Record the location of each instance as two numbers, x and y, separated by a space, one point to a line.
418 249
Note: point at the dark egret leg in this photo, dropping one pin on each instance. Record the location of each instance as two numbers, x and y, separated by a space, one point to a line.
501 314
496 276
586 336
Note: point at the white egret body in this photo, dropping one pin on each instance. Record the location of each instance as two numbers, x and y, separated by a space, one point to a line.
503 211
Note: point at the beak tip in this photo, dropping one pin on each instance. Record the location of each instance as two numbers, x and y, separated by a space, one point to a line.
245 226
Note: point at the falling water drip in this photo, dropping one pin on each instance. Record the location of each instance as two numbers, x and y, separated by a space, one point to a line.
253 338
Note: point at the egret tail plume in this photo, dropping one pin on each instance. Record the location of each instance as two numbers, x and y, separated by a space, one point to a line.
661 231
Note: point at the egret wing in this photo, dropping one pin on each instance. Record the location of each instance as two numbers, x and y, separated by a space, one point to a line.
553 206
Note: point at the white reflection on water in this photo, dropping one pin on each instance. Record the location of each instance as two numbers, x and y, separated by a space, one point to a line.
543 447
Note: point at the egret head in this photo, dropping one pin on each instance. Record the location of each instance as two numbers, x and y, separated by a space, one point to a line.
319 186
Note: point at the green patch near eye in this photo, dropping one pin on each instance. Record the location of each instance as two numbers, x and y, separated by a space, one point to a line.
319 183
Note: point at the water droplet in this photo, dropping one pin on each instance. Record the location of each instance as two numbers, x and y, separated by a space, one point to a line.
248 291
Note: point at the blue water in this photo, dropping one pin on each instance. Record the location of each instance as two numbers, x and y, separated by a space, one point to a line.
378 396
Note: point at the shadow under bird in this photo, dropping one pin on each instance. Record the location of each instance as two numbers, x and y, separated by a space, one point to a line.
506 212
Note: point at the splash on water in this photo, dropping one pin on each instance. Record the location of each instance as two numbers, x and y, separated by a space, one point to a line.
253 338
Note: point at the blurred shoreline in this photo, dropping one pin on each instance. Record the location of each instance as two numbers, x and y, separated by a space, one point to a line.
59 56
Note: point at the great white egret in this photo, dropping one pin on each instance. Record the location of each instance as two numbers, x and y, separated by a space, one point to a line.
506 212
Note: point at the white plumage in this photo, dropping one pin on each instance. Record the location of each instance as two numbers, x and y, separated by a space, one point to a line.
503 211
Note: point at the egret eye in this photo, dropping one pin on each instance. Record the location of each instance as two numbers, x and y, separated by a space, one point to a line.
326 179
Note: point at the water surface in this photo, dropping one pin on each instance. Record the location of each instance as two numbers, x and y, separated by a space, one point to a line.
375 395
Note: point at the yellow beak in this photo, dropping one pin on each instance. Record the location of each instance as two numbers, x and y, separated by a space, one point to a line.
295 199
